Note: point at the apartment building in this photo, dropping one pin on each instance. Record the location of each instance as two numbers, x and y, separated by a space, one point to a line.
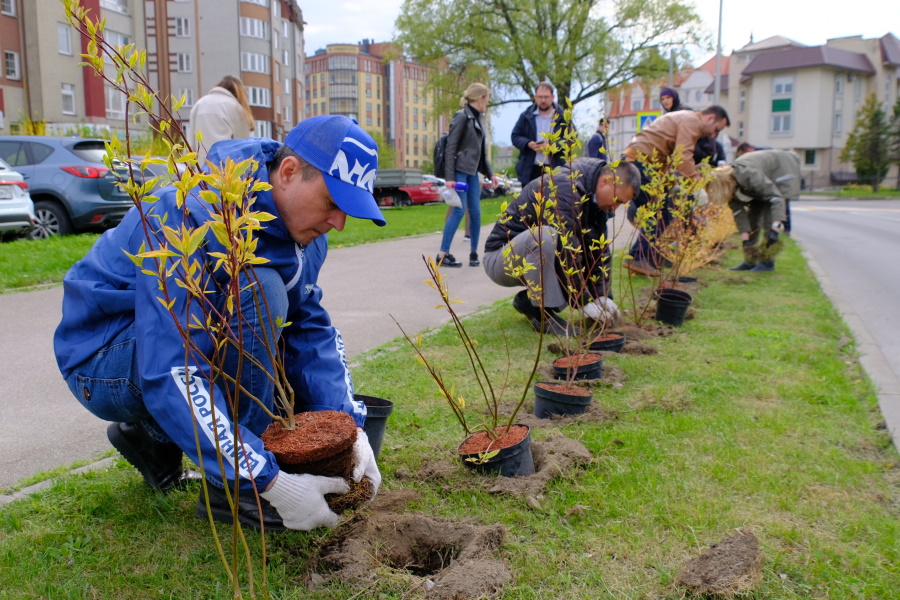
785 95
185 57
384 91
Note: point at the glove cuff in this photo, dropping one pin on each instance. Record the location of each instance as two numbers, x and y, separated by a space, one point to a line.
284 489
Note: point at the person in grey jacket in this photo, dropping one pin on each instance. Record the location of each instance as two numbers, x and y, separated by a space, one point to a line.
544 116
465 158
586 193
757 186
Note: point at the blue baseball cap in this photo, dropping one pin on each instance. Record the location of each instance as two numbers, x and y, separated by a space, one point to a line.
347 157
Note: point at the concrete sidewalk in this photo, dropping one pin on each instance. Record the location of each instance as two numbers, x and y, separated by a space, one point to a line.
44 427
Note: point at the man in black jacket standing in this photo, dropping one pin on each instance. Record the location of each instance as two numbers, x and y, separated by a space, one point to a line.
542 117
582 205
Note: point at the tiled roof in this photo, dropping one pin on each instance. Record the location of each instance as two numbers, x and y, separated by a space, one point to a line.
723 87
814 56
890 49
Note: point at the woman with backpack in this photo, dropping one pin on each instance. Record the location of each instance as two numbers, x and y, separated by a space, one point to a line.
465 157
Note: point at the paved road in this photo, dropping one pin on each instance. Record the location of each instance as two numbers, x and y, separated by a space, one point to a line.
854 248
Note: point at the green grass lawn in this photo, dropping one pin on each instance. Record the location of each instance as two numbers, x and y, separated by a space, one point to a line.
27 263
754 415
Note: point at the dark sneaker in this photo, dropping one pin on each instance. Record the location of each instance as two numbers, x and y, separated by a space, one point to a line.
742 267
473 259
554 323
641 267
766 265
248 510
448 261
159 463
523 305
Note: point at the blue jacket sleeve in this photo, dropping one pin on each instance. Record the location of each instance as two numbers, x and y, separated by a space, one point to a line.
178 392
314 357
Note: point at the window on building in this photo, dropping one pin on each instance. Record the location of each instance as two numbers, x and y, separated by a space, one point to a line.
740 129
783 86
781 123
11 64
115 103
120 6
286 58
188 94
255 62
838 122
182 27
64 38
8 7
654 103
286 86
368 92
368 121
857 88
115 39
809 158
287 113
68 99
184 62
262 129
259 96
277 72
254 28
742 100
838 84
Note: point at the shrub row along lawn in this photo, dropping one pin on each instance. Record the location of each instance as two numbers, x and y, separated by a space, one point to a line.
754 415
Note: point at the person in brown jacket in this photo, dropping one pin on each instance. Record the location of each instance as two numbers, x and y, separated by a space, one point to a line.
656 143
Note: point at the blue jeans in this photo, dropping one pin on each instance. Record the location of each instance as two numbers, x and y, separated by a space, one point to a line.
471 201
108 385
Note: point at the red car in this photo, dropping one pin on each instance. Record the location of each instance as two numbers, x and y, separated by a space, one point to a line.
394 187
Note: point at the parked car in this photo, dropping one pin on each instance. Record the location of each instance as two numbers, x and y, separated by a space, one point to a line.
434 180
404 187
71 188
16 207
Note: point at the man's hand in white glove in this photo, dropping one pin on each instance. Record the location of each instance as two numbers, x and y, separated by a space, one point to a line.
364 464
300 499
701 198
601 309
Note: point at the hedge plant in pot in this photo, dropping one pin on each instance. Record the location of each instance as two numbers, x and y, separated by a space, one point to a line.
557 227
498 444
192 261
691 238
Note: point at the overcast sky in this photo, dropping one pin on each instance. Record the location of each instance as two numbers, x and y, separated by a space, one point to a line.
810 23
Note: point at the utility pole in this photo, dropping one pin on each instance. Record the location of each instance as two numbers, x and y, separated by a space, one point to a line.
718 83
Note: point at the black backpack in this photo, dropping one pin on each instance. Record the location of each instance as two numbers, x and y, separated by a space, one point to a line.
440 147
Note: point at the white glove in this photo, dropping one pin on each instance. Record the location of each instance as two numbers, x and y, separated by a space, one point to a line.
601 309
300 500
364 462
701 198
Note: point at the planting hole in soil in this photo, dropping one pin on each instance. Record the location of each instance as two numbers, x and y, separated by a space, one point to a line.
446 558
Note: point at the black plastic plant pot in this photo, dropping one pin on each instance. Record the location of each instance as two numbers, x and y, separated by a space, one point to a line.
377 412
614 344
552 399
516 460
672 306
591 367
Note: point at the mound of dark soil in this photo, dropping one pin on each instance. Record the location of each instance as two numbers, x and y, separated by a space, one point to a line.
731 567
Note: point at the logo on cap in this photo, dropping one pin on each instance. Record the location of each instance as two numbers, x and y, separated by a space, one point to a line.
363 172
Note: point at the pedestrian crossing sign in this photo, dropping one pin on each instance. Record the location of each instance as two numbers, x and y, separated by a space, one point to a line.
645 118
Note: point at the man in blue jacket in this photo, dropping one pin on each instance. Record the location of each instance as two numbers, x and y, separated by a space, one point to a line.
529 134
123 356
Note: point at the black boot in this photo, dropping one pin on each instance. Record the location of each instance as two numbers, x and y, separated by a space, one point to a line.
248 511
750 258
448 260
766 265
159 463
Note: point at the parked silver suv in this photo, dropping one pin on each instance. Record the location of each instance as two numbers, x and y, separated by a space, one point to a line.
16 208
71 188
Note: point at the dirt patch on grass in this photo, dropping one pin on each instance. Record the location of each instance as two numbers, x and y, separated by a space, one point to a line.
639 348
731 567
437 558
552 458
